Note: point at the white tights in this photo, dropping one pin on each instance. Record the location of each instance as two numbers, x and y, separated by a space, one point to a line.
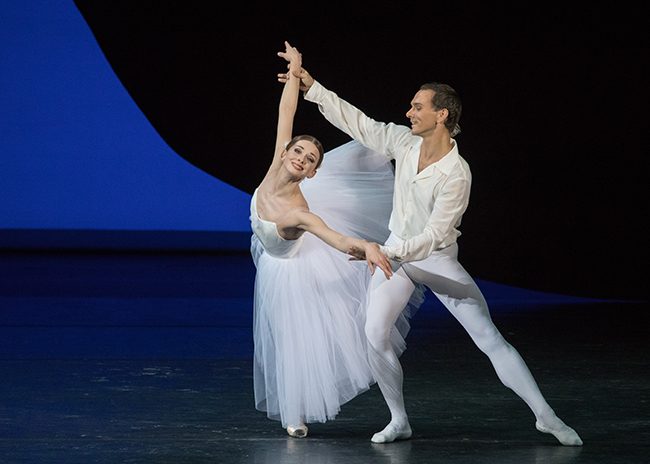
454 287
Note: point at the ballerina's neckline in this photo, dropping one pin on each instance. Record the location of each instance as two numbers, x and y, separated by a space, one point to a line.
283 217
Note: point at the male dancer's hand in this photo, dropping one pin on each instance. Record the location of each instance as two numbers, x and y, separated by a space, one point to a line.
306 81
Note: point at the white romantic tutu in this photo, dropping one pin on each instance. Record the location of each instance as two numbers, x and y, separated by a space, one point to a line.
310 347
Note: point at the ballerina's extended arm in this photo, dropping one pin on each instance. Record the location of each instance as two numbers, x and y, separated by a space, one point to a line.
371 253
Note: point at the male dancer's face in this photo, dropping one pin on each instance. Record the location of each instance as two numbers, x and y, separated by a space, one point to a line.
424 118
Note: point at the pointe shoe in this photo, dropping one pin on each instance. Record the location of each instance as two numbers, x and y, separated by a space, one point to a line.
566 435
297 432
392 433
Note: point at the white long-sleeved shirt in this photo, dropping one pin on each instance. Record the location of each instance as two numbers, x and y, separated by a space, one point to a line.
427 206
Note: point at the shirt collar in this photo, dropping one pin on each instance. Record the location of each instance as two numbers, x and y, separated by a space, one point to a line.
449 160
445 165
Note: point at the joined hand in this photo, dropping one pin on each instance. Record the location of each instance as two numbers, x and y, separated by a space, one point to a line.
374 257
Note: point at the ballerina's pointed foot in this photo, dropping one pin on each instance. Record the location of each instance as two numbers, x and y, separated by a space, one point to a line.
565 434
392 432
297 432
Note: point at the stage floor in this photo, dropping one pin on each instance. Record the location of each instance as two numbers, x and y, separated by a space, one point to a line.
140 358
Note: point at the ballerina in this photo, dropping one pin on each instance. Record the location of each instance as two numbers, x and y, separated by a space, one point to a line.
310 348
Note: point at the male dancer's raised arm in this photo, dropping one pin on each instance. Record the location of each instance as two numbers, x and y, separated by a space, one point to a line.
378 136
430 229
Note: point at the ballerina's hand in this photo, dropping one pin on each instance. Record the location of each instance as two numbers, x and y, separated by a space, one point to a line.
292 55
374 257
295 62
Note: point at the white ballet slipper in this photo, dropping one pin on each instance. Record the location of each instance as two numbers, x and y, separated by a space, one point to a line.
297 432
565 434
392 433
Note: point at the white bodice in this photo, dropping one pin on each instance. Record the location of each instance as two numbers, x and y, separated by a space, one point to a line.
267 233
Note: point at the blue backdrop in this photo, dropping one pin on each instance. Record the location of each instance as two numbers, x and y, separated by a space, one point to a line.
75 150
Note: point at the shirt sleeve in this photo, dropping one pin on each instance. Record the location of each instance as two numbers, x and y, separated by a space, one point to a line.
378 136
445 217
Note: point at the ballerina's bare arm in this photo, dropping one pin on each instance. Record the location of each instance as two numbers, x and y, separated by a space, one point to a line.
288 102
311 223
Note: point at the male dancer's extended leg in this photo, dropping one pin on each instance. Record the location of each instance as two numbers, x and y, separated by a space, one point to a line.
386 301
454 287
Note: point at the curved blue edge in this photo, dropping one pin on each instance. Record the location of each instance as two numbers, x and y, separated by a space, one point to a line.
76 153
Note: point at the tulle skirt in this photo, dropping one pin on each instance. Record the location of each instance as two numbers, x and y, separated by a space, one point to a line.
308 327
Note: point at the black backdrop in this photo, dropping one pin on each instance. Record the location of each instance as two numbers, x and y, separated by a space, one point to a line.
553 120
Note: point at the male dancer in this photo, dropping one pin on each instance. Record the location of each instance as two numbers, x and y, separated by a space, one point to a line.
432 186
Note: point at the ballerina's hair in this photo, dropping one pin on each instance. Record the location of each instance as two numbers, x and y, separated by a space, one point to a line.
446 97
311 139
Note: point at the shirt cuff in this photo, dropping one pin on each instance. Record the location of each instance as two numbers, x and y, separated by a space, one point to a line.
388 251
315 92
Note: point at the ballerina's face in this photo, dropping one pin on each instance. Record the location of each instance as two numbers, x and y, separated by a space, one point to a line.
301 159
